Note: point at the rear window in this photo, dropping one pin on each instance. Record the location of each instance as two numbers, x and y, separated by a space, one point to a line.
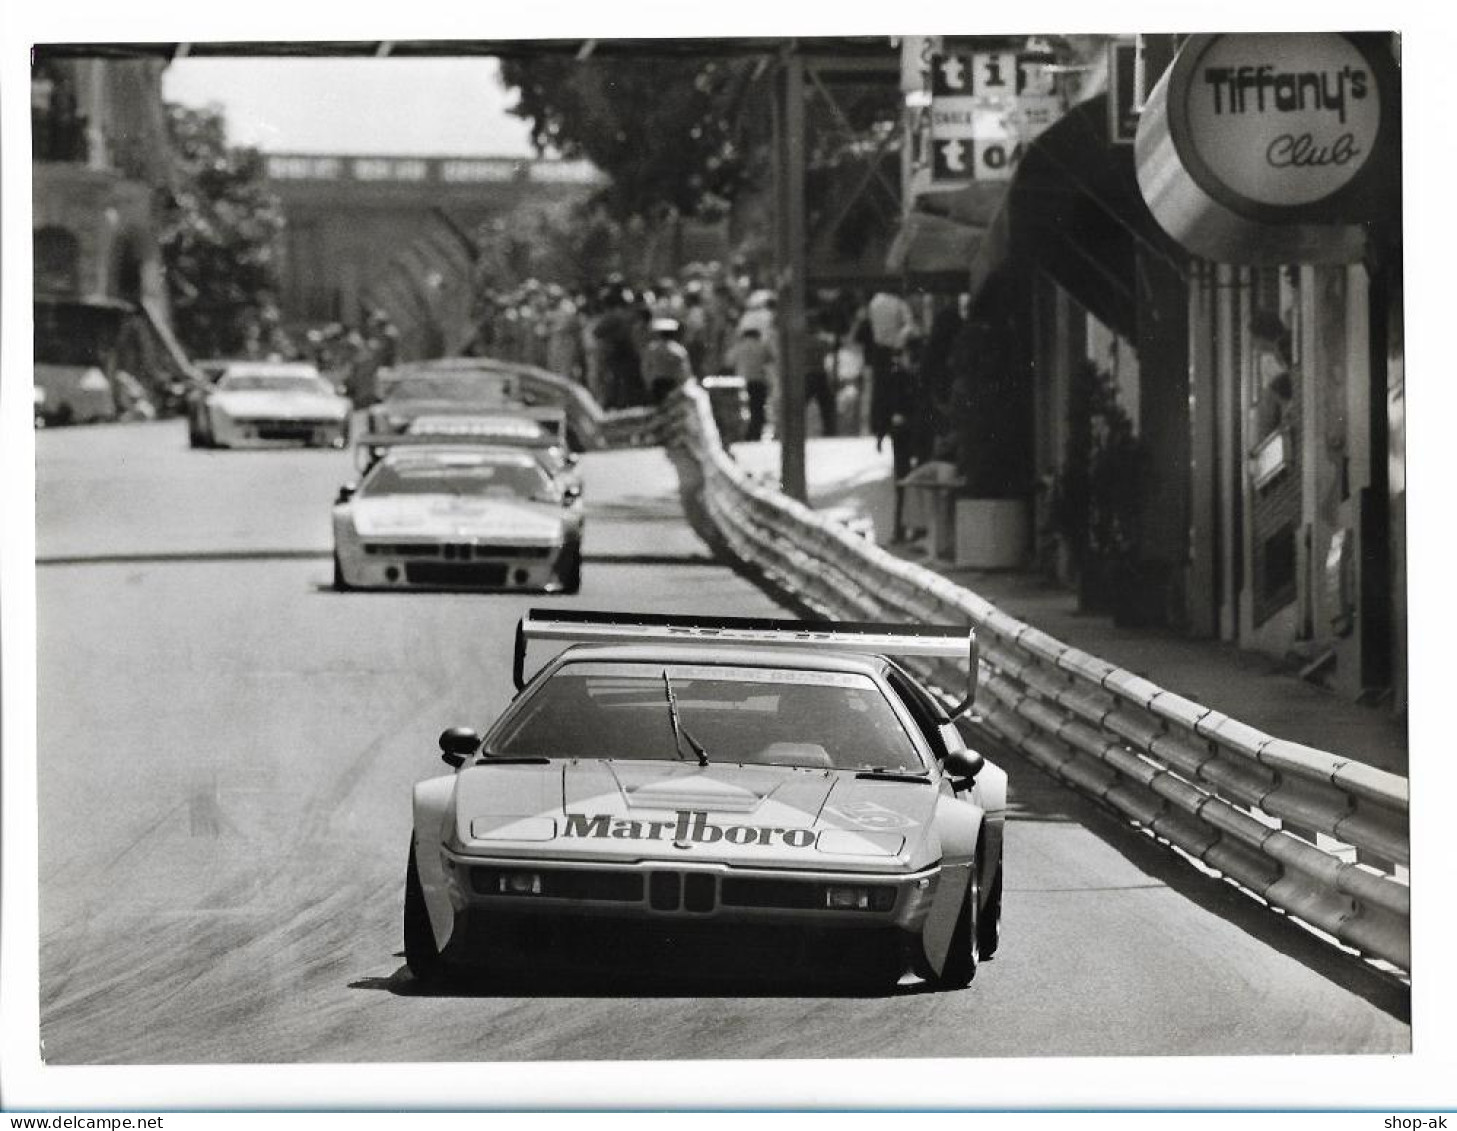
753 715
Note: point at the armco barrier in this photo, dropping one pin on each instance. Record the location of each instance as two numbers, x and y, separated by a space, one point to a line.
1322 838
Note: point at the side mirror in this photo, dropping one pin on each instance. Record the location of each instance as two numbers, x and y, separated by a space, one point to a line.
572 459
346 492
457 744
571 493
962 766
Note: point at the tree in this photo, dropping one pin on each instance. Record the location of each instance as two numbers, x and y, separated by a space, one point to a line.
220 241
669 133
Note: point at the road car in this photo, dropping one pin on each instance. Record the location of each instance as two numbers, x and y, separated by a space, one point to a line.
257 403
458 516
500 430
773 783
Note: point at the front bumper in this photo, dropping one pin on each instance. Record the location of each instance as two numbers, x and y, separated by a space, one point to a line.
384 563
667 892
235 432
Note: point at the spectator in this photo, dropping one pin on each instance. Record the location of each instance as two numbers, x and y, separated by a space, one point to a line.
665 362
750 358
817 347
888 316
898 412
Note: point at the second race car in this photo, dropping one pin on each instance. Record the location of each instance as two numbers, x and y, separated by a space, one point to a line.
458 516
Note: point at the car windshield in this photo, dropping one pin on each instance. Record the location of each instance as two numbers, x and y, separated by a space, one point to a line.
461 475
273 383
478 388
755 715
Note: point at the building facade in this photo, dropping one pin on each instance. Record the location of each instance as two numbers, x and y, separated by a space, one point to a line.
1227 276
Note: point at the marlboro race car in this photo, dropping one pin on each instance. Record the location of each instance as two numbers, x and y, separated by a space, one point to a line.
667 781
458 516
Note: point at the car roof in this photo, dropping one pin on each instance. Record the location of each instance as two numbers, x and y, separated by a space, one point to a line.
866 663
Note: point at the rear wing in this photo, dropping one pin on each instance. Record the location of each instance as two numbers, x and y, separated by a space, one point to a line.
371 447
925 641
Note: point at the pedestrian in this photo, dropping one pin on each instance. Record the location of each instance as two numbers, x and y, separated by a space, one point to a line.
887 317
619 357
750 358
898 414
665 363
817 346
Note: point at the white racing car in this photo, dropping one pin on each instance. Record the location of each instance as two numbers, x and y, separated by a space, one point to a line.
498 430
256 403
781 788
458 516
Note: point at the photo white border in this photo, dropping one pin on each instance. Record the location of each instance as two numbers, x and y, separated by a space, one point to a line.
1426 1078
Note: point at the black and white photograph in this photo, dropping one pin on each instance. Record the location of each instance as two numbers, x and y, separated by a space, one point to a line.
718 567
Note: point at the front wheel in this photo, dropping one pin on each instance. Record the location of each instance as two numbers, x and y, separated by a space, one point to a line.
421 954
340 585
571 571
965 951
989 925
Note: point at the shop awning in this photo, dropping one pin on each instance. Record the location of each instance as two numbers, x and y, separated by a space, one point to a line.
1074 212
933 246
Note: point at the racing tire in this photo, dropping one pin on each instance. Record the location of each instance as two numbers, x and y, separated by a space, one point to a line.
421 955
571 573
965 952
340 585
989 925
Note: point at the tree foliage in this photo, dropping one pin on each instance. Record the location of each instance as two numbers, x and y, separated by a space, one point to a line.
220 240
669 133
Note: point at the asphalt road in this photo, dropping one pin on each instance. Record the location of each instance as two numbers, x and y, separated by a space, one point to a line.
226 749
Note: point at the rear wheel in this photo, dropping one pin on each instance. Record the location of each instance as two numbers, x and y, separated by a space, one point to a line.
421 955
964 953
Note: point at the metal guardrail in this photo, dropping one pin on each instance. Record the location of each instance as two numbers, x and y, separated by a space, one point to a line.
1323 838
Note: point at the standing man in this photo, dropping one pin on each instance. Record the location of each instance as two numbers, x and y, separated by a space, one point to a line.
751 358
889 317
665 363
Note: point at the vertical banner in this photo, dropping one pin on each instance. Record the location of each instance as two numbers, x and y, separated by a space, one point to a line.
917 55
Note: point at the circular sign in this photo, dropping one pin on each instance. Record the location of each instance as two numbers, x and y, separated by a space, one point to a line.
1281 120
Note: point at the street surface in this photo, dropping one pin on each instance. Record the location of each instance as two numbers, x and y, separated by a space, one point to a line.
226 749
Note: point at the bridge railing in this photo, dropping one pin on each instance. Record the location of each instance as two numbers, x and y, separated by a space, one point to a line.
1321 837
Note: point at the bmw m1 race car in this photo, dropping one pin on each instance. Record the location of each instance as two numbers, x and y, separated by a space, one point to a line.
258 403
458 516
498 430
785 788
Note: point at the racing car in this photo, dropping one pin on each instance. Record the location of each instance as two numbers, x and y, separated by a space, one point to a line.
458 516
778 784
501 430
268 402
459 387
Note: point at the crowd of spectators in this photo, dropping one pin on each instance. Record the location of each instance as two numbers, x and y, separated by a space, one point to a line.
630 343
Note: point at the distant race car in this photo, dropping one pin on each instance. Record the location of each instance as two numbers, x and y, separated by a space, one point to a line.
459 387
458 516
502 430
268 402
787 789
